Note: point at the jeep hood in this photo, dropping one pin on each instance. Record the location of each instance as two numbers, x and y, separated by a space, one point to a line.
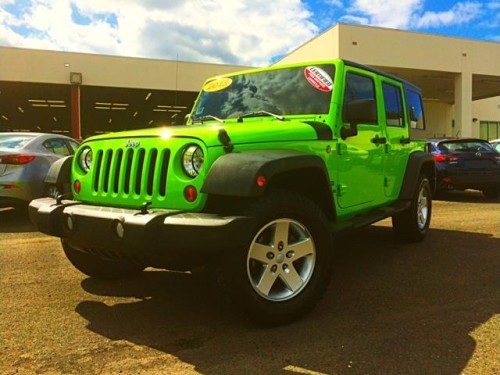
239 133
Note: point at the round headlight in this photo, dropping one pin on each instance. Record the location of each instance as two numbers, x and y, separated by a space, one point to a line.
192 160
85 159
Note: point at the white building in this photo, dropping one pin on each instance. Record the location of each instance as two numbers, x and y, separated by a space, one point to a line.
84 94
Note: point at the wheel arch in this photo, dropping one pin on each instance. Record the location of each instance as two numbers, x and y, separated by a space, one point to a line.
60 171
235 175
418 163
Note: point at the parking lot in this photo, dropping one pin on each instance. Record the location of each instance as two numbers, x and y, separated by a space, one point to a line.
392 308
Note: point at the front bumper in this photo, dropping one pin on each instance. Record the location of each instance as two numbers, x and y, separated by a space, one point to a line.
158 238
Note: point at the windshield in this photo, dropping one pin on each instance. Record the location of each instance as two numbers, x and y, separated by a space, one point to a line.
289 91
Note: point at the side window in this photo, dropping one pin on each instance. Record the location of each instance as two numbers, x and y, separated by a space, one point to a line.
415 109
56 146
393 103
360 93
73 146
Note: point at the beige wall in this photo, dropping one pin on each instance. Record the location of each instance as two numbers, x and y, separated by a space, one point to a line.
439 118
26 65
323 47
400 49
486 109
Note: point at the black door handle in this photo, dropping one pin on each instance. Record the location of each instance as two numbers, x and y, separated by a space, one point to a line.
379 140
404 140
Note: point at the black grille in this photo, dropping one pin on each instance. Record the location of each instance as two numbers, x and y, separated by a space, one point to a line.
131 171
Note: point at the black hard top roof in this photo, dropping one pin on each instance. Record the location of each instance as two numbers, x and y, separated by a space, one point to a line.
407 84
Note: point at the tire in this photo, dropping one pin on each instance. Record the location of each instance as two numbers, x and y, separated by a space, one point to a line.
276 281
413 223
94 266
492 192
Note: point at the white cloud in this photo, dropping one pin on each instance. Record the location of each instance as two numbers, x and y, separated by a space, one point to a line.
335 3
384 13
355 19
460 13
219 31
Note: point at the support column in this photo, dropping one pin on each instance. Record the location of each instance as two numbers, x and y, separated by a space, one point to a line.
76 129
76 79
463 105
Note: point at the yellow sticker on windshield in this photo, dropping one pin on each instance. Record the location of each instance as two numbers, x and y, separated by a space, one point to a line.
218 84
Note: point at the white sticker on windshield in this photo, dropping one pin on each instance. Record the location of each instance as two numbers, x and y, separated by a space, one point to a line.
318 78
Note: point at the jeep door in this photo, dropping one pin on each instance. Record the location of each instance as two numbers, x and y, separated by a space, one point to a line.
361 156
396 127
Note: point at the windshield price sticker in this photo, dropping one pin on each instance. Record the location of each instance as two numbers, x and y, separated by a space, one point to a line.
217 84
318 78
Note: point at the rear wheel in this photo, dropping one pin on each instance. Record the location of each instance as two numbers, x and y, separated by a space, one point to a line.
286 267
413 223
492 192
94 266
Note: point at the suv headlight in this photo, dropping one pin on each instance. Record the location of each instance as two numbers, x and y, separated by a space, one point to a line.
192 160
85 159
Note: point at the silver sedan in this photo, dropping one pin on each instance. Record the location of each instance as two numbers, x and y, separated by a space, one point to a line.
25 159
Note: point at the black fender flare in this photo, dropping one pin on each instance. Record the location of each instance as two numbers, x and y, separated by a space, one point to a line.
418 162
235 174
60 171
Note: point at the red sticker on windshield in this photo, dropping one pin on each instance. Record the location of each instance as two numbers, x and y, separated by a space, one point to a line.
318 78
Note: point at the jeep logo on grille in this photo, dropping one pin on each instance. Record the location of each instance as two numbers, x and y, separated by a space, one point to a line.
132 143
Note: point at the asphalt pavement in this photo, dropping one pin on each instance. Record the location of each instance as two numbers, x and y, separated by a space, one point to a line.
392 308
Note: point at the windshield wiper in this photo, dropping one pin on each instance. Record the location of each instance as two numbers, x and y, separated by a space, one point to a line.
207 117
260 113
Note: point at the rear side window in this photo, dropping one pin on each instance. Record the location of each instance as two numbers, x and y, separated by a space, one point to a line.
73 146
56 146
359 88
415 109
393 103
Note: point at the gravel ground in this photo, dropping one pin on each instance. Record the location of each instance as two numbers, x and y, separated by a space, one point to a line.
392 308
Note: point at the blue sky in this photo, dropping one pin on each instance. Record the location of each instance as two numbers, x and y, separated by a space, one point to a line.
245 32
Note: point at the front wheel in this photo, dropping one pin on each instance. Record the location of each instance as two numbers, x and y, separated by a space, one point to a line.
94 266
413 223
286 267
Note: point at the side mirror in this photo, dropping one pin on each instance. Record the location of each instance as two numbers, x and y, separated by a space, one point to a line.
363 111
187 118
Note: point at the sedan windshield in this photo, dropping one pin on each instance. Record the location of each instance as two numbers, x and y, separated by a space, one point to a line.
281 92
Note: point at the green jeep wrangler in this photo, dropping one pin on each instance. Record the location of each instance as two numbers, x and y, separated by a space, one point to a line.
269 166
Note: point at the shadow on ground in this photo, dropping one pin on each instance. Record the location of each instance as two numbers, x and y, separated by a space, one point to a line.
469 196
15 220
392 308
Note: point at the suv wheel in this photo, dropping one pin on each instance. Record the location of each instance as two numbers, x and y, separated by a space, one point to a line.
94 266
286 267
413 223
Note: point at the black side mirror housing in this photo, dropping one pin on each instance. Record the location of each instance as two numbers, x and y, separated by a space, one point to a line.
356 112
